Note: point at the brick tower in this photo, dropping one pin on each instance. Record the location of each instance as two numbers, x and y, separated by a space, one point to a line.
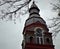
36 34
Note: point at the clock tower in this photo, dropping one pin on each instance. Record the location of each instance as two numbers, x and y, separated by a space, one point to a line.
36 35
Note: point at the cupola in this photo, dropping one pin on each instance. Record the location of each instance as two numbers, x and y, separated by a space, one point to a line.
36 35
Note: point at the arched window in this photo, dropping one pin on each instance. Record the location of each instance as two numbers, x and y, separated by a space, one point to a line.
39 40
47 40
31 38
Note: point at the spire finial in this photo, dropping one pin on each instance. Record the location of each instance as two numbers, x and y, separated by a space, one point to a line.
33 1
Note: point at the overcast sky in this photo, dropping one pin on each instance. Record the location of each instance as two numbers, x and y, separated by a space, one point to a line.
11 34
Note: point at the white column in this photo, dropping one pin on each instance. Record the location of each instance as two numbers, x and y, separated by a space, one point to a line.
43 38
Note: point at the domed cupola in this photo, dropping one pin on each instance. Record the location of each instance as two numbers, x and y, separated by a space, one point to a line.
33 6
34 10
34 15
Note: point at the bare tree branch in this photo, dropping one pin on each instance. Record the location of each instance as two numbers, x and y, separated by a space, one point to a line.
9 2
55 26
55 5
55 18
56 32
24 4
18 8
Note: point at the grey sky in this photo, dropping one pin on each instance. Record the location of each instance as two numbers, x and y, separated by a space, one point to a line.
11 34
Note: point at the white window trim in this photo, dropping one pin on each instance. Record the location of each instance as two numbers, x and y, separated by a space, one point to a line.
39 39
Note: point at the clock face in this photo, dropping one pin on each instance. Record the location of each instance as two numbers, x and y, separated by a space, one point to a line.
39 32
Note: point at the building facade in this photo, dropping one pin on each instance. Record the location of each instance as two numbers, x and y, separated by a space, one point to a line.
36 35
